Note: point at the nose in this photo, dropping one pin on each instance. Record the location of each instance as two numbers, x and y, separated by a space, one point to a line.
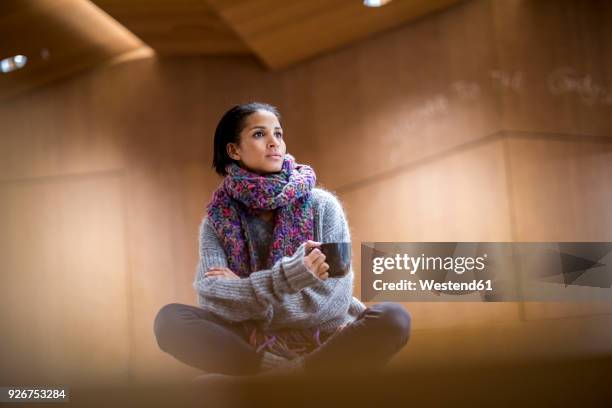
272 142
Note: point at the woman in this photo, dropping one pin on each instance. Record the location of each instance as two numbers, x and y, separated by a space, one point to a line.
265 298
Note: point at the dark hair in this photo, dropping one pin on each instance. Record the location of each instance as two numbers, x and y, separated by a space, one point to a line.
229 128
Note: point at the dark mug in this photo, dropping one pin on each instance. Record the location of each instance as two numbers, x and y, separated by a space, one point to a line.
338 257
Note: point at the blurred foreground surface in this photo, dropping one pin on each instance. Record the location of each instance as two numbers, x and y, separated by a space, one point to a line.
560 383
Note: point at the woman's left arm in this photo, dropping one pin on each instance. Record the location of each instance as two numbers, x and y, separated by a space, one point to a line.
327 299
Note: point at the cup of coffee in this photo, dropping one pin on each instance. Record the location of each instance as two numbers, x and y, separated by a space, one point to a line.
338 257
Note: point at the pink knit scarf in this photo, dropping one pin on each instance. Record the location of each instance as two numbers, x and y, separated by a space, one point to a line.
241 192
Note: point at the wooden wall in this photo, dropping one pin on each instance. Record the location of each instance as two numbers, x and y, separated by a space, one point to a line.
485 122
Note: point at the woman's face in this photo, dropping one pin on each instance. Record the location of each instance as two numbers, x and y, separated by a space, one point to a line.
261 148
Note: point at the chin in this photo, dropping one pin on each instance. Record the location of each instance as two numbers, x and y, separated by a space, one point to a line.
273 168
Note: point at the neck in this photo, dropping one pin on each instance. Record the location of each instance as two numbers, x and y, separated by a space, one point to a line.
266 214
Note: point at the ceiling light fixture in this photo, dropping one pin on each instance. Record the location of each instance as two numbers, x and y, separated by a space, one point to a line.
13 63
375 3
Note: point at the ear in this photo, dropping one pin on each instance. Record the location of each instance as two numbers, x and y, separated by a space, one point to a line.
232 151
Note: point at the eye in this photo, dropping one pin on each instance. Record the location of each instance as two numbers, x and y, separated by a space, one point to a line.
279 135
258 134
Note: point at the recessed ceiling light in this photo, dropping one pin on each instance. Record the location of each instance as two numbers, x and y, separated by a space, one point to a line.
13 63
375 3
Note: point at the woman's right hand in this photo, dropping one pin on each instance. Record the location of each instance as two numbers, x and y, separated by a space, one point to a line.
314 260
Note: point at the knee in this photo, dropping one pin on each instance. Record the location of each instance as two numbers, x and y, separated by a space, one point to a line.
165 324
396 320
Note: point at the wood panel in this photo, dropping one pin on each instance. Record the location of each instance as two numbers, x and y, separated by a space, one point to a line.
64 290
167 204
407 96
171 27
461 197
282 33
57 43
76 127
555 63
561 191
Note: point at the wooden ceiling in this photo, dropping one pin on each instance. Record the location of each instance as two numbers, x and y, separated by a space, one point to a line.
282 32
62 37
59 38
176 27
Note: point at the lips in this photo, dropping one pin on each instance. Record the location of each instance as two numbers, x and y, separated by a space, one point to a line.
274 156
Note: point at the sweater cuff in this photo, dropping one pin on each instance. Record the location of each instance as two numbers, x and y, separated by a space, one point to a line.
297 275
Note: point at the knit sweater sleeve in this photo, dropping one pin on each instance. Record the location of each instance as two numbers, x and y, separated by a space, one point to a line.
326 299
254 297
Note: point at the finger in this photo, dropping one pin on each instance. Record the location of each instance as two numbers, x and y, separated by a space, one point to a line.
223 275
322 269
314 260
225 271
324 276
216 272
228 272
318 262
311 244
308 259
314 254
